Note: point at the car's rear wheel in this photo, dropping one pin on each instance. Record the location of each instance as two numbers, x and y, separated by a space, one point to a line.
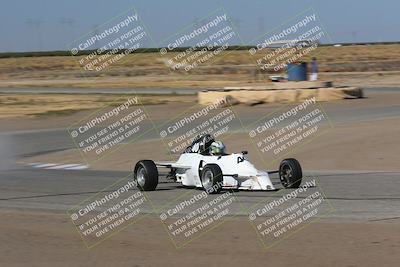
290 173
146 175
212 178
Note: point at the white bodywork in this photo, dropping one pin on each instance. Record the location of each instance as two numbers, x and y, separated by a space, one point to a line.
238 172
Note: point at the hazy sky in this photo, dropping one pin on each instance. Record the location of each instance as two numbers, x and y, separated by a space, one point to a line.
35 25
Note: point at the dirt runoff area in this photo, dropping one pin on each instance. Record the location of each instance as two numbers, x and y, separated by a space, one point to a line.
51 240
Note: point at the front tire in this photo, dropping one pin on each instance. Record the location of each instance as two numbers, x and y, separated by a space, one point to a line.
146 175
290 173
212 178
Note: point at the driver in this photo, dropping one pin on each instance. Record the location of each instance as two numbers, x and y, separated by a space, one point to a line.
217 148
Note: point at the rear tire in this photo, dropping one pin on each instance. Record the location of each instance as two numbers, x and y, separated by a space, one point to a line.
290 173
146 175
212 178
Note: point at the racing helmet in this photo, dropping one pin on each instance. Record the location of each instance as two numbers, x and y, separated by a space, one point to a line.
217 148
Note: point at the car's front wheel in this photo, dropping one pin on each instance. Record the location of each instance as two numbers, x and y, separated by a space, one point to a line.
146 175
212 178
290 173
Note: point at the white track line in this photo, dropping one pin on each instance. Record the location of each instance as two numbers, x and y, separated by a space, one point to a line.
58 166
44 165
81 167
62 166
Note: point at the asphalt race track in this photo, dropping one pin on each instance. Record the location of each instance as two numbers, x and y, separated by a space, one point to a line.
354 196
366 196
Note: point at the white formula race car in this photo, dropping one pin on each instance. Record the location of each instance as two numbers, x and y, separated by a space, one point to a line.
197 167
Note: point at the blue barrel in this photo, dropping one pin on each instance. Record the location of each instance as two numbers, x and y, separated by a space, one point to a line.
297 72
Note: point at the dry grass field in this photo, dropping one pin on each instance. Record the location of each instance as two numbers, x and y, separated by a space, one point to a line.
228 68
35 105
